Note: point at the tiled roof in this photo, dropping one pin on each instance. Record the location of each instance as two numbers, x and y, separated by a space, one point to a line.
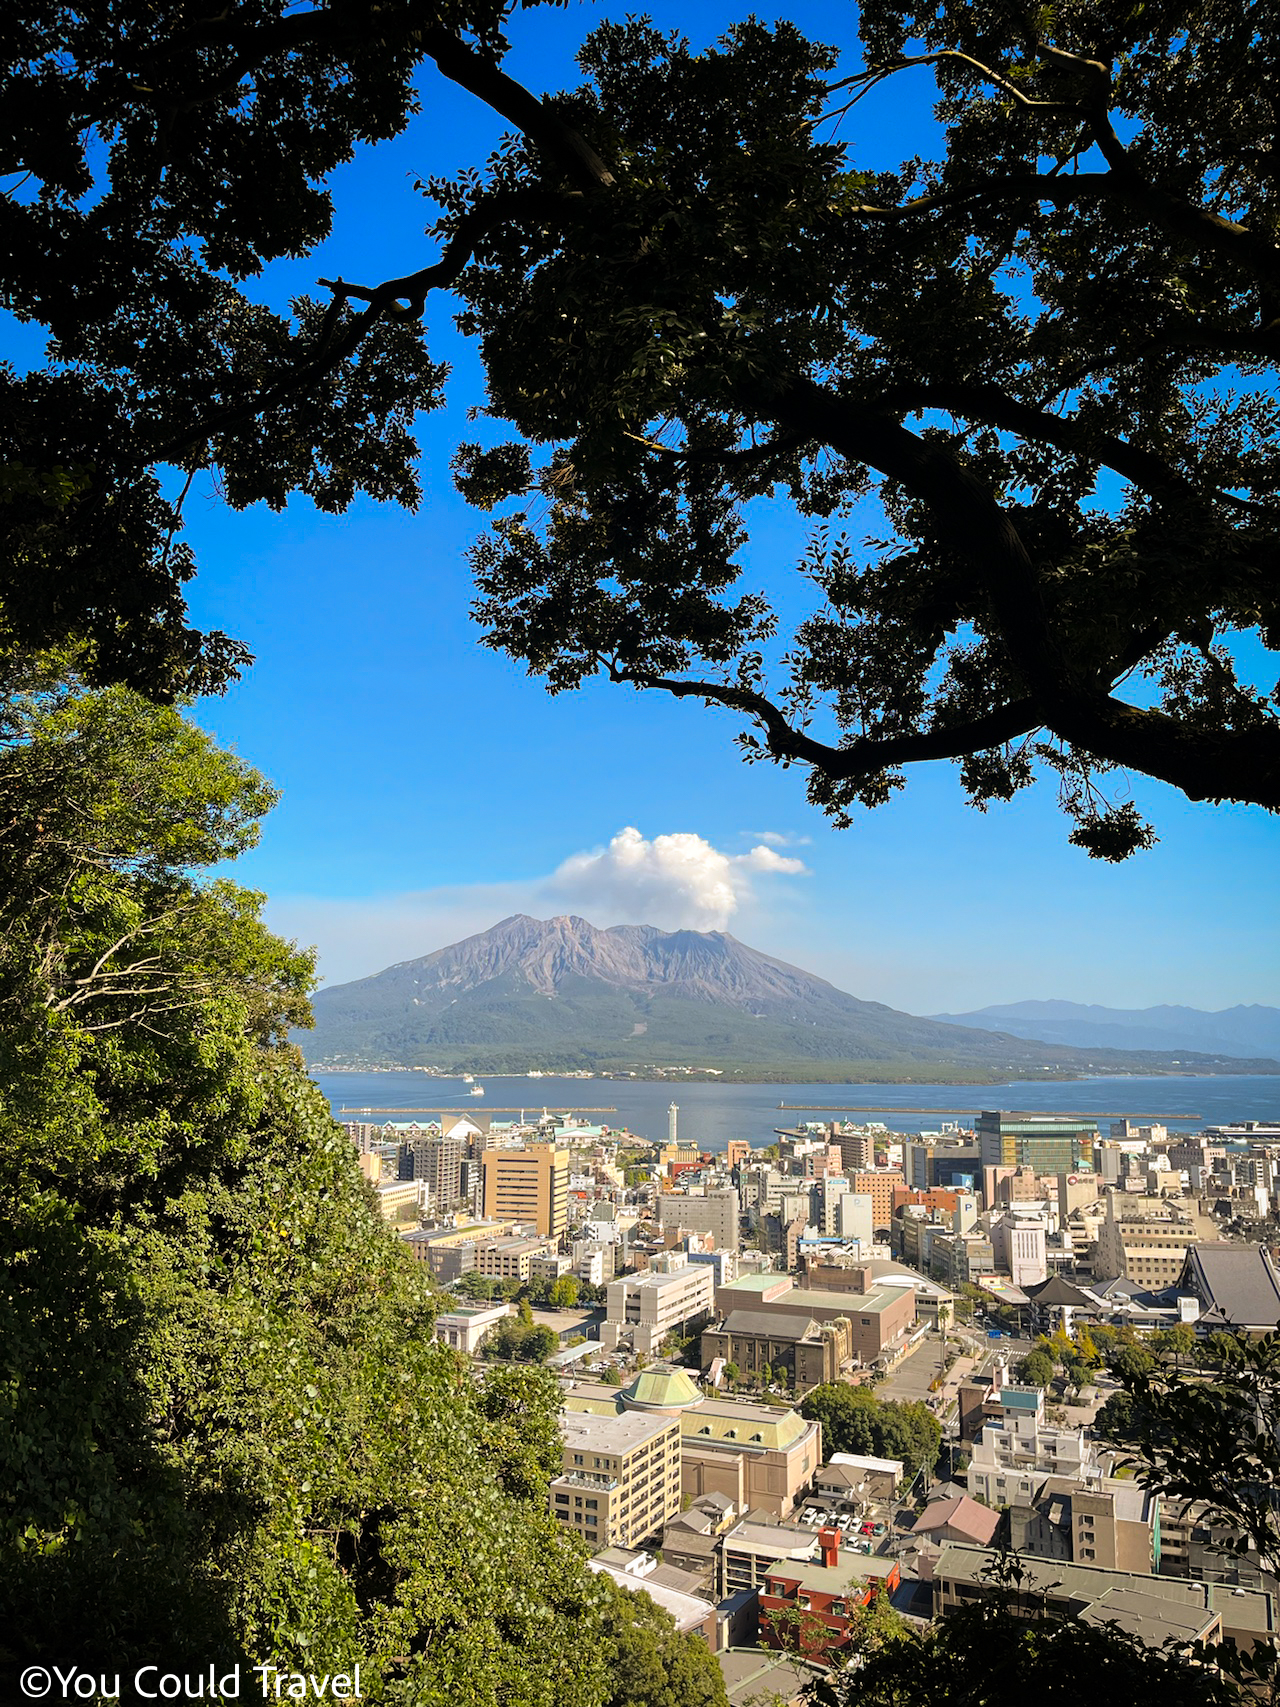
962 1514
1237 1284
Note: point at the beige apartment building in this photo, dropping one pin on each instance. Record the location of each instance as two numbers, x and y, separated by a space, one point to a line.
510 1259
756 1457
879 1185
529 1185
621 1478
1146 1239
1106 1521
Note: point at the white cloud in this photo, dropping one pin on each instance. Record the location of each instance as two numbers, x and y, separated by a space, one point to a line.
777 838
676 881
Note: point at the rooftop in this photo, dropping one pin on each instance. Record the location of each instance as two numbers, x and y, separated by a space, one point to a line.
774 1540
849 1568
687 1610
751 1675
855 1461
661 1389
619 1434
797 1327
976 1521
1086 1587
1238 1284
724 1422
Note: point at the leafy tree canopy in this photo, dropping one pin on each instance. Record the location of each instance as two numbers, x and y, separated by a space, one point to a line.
994 1652
1048 352
650 1663
854 1420
1036 1369
226 1431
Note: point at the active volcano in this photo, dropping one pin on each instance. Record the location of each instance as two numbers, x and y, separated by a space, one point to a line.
559 994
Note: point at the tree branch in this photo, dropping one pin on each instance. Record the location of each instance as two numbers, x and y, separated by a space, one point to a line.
329 352
863 756
1205 764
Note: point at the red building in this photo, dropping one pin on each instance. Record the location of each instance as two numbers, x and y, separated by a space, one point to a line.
808 1609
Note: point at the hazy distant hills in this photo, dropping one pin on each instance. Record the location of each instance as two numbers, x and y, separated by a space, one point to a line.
1232 1031
560 994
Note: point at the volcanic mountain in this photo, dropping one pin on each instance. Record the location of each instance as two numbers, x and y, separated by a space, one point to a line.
558 994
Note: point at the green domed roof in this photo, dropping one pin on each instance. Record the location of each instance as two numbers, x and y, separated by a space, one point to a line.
669 1390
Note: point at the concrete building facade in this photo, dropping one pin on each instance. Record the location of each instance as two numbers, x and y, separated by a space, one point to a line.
529 1185
621 1478
643 1309
716 1213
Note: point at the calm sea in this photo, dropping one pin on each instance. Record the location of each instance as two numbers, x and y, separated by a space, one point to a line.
711 1114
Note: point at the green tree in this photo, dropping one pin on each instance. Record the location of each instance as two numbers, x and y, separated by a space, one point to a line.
564 1292
1115 1420
1213 1434
1129 1362
854 1420
1035 1369
650 1663
226 1430
1077 1373
518 1340
689 293
1177 1343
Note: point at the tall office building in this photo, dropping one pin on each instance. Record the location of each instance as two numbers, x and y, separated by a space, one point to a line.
529 1185
439 1161
1048 1143
714 1212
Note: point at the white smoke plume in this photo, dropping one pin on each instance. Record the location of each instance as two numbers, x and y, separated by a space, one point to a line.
676 881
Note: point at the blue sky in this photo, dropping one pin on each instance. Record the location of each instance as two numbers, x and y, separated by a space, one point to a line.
429 787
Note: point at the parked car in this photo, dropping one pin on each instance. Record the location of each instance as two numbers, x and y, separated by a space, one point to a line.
867 1529
880 1529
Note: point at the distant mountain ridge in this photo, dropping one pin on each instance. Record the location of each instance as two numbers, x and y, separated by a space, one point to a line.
560 993
1251 1030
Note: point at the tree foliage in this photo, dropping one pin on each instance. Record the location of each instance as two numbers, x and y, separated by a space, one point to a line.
1046 352
854 1420
520 1341
1036 1369
649 1662
154 162
226 1430
1002 1651
1212 1434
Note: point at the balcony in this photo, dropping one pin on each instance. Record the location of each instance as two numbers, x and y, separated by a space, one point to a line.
584 1479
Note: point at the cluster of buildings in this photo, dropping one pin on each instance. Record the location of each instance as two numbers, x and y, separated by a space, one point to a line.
729 1285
